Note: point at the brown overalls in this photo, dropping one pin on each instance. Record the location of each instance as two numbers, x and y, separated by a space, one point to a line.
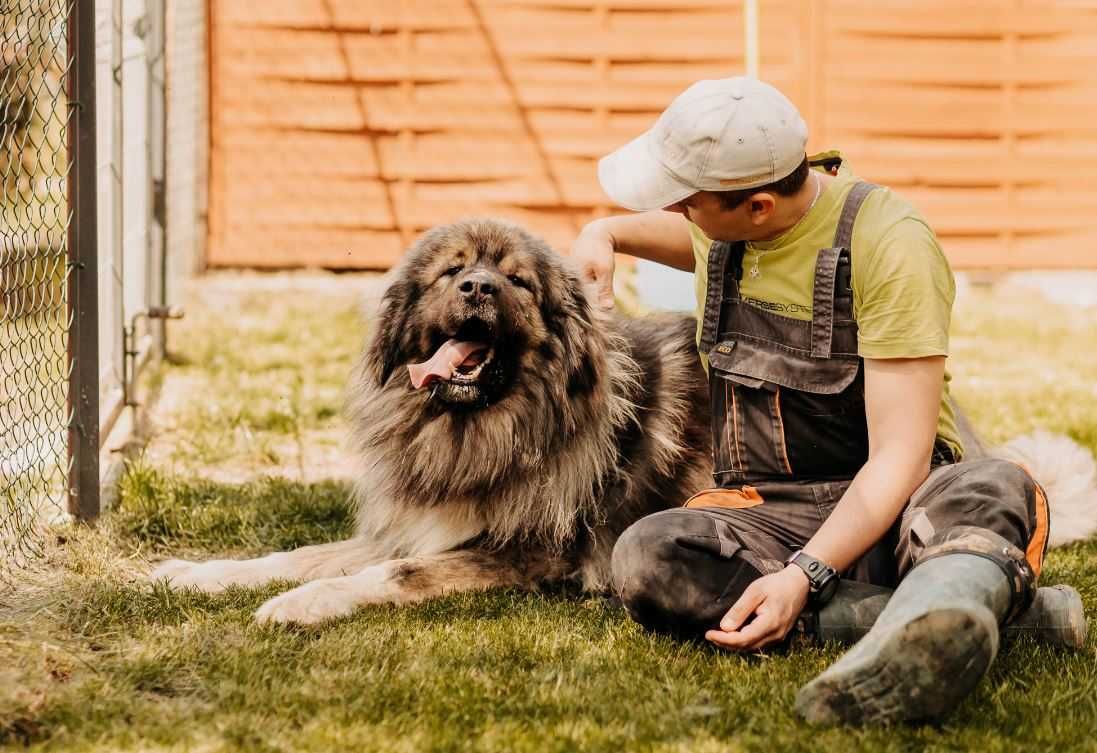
789 433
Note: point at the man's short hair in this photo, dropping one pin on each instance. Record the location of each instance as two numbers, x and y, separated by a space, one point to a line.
786 186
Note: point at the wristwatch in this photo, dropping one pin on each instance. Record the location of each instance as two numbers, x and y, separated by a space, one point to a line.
822 578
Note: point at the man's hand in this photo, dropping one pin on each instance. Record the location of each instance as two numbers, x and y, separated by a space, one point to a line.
593 252
657 236
774 600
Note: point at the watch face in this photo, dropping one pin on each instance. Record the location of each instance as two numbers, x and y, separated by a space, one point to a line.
822 580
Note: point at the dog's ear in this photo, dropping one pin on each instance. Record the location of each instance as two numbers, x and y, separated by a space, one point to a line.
570 315
391 337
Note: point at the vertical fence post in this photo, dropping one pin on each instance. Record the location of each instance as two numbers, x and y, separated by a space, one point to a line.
750 37
83 333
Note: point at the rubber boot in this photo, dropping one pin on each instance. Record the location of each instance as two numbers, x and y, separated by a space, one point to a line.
849 614
1056 616
928 649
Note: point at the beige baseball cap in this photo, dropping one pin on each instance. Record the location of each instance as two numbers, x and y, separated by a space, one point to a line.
718 135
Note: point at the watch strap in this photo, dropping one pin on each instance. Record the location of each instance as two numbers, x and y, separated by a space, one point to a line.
822 578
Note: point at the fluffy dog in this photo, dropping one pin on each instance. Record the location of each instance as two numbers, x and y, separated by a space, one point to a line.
508 430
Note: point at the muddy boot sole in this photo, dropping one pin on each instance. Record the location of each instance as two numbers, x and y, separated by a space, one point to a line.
917 670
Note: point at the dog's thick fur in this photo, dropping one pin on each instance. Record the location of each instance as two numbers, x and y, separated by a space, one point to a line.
580 424
583 423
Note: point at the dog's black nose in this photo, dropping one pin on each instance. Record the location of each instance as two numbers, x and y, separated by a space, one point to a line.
478 285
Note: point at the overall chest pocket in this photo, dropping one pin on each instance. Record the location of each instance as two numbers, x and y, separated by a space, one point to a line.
732 403
747 432
777 414
827 435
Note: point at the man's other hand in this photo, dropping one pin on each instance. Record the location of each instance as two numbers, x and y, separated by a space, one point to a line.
774 601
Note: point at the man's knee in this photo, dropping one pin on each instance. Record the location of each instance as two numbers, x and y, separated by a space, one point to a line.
989 493
669 572
995 479
640 556
1008 473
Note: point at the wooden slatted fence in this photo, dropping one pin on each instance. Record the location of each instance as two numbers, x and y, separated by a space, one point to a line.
342 128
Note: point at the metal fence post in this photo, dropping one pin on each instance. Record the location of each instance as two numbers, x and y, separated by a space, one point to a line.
83 340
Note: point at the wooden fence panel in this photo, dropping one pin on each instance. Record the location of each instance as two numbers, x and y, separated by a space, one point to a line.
982 112
343 128
419 112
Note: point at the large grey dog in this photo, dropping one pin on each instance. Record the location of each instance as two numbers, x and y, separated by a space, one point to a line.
508 430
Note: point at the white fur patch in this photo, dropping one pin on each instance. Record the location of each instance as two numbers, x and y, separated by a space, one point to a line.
419 531
330 597
216 575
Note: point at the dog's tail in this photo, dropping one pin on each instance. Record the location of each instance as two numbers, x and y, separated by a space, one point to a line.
1068 474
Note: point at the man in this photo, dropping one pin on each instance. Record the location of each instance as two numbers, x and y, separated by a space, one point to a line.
824 305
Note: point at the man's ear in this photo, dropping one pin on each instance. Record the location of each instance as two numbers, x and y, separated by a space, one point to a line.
761 207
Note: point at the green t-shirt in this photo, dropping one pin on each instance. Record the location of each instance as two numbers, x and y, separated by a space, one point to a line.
903 287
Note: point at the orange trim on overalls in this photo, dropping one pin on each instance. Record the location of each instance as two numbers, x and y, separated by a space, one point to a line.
781 423
1037 545
736 499
734 422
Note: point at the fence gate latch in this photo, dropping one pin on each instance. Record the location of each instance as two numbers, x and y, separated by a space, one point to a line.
130 351
159 206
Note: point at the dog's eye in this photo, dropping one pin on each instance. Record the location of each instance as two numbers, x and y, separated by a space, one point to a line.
518 281
452 271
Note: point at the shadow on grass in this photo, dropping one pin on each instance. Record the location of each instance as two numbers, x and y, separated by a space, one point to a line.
163 513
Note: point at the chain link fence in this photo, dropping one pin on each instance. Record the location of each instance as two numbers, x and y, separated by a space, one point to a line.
41 327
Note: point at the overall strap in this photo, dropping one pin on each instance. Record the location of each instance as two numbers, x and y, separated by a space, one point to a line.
824 301
843 237
719 255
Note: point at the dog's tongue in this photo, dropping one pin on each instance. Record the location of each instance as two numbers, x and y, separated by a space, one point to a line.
443 363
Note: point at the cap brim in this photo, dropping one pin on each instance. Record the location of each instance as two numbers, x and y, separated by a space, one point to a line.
634 179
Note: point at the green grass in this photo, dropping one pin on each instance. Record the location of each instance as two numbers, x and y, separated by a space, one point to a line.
93 658
254 383
166 514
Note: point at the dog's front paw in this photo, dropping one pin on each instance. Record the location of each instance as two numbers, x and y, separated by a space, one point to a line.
169 569
212 577
310 603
